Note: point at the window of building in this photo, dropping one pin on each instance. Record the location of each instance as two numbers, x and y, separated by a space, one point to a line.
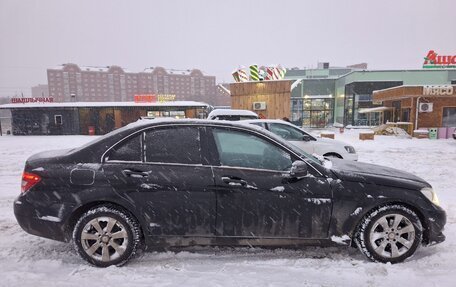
58 120
449 117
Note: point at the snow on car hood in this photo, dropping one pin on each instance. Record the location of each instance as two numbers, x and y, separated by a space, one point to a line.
353 170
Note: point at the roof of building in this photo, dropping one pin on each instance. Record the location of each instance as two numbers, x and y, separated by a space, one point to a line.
104 104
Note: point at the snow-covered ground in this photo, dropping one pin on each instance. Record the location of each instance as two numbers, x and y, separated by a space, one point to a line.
27 260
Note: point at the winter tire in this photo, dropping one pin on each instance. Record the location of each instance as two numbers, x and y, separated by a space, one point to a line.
390 233
106 235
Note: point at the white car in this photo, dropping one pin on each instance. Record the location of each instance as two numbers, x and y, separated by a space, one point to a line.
231 115
307 142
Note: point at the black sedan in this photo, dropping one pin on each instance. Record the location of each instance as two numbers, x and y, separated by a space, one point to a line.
164 183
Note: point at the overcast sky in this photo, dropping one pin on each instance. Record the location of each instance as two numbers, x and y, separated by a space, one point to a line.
217 36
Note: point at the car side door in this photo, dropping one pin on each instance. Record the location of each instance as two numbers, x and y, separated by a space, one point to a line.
256 196
169 185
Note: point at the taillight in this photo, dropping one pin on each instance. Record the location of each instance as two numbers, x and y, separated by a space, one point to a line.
29 180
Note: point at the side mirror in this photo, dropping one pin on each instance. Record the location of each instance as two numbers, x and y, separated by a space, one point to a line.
298 169
306 138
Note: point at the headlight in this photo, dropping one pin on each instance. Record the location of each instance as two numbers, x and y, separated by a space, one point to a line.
431 195
349 149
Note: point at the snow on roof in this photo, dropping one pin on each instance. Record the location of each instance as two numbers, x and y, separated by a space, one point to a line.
171 71
104 104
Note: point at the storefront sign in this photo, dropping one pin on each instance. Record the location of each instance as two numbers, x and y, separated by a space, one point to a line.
31 100
153 98
433 60
438 90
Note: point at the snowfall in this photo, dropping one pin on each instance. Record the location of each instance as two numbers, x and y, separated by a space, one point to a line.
27 260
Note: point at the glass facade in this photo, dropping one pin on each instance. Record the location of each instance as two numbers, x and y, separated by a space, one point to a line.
312 103
322 97
358 95
312 111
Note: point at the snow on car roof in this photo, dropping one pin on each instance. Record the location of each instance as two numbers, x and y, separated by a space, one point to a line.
231 112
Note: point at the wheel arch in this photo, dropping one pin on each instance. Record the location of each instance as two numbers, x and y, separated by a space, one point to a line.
412 207
79 211
333 154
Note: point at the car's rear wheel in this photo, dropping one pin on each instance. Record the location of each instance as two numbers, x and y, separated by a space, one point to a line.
106 235
390 233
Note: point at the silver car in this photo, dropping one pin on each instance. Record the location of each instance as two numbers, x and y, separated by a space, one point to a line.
307 142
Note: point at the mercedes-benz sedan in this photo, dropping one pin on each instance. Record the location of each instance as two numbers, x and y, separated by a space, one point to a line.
163 183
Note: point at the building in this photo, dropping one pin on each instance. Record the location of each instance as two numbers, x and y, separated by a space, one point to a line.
94 118
40 91
421 106
73 83
324 96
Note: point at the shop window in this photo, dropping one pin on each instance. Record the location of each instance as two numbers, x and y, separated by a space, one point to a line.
58 120
449 117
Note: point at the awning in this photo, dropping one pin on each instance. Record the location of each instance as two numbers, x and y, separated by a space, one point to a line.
374 110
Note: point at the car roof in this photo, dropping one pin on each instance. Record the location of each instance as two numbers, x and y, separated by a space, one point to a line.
266 121
231 112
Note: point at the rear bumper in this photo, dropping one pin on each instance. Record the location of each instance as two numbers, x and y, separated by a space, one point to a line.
32 222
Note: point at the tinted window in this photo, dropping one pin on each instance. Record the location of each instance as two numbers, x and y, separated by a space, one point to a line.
129 150
247 150
173 145
287 132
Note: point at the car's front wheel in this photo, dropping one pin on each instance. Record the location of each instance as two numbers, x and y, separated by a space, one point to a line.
390 233
106 235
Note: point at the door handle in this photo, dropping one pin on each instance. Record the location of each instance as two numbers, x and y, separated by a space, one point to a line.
234 181
134 173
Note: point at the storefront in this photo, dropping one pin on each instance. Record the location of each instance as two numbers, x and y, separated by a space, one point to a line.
428 106
93 117
312 111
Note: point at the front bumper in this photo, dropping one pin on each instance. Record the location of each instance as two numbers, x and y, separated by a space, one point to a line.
32 222
436 220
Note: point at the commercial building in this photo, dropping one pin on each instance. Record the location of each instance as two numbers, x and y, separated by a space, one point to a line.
94 118
73 83
327 95
421 106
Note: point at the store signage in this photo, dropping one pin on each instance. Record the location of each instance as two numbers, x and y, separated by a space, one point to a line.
31 100
433 60
438 90
154 98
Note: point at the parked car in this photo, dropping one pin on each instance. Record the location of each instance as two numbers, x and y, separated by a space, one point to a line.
454 134
163 183
231 115
306 141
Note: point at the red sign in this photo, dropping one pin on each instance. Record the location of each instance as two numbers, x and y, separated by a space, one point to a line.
433 60
31 100
153 98
148 98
